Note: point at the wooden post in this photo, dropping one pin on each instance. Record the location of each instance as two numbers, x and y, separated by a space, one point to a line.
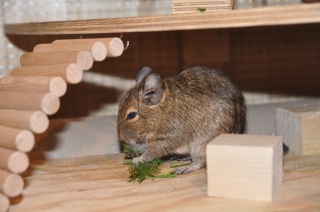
16 139
82 58
245 167
97 48
300 128
27 100
11 184
114 46
13 161
4 203
35 121
55 85
70 72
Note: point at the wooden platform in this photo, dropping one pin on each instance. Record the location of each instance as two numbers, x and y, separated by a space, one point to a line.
268 16
99 183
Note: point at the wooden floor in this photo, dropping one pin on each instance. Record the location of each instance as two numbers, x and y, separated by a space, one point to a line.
99 183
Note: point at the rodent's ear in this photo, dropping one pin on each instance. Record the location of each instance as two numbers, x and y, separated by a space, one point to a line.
152 90
145 71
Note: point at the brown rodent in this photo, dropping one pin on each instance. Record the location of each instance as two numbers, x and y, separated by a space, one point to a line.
180 115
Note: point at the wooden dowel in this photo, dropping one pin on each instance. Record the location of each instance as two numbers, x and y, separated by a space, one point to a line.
36 121
97 48
4 203
82 58
55 85
13 161
114 46
11 184
71 73
16 139
27 100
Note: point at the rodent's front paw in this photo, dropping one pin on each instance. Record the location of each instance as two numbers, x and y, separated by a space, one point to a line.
137 160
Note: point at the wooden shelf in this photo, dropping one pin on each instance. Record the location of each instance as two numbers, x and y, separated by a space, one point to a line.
281 15
99 183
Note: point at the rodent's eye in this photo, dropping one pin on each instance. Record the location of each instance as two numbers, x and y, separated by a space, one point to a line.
131 115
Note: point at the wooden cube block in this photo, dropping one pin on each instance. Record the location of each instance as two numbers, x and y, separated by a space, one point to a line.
247 167
300 129
183 6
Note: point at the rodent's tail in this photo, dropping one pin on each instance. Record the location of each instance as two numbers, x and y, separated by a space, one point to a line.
240 116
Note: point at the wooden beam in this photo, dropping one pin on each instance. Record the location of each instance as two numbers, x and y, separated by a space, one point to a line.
70 72
11 184
16 139
4 203
268 16
13 161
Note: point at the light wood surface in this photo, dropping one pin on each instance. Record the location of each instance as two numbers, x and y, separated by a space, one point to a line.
82 58
97 49
100 47
11 184
35 121
99 183
4 203
182 6
247 167
70 72
299 127
16 139
27 100
13 161
55 85
282 15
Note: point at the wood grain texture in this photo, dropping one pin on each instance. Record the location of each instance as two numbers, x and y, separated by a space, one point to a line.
16 139
299 127
82 58
182 6
55 85
97 49
284 15
13 161
4 203
247 167
99 183
11 184
70 72
113 46
27 100
36 121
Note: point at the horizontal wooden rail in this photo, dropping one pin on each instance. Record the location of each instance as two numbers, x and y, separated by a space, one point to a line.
267 16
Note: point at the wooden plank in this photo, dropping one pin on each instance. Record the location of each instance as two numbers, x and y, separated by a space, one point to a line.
181 6
99 183
284 15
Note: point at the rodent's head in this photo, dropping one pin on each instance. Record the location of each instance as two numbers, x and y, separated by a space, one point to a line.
138 110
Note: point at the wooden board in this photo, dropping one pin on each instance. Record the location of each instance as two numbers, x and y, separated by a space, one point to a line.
100 183
283 15
182 6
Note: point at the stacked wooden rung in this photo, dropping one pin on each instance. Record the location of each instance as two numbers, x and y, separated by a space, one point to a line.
183 6
32 92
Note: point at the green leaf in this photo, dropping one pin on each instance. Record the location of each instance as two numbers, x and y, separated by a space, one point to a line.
144 170
201 9
130 152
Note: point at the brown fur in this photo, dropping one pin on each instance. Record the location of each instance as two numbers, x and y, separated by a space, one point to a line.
196 106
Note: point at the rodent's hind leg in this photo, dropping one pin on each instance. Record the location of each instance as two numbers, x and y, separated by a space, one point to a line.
198 157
